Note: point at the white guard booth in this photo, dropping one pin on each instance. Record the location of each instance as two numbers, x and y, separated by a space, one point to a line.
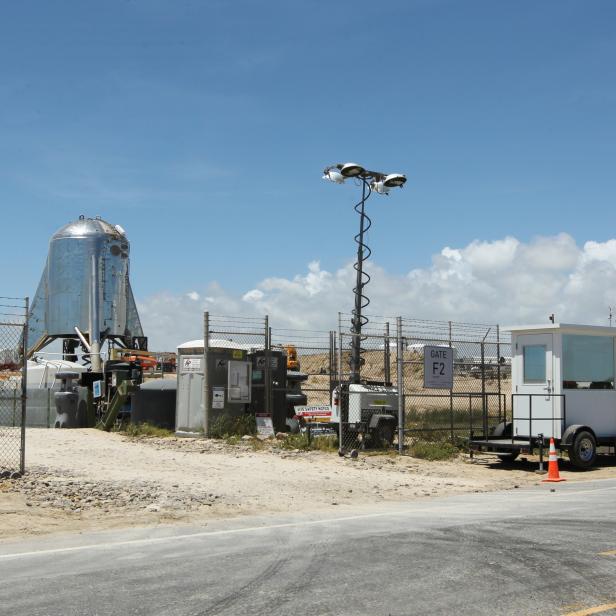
563 375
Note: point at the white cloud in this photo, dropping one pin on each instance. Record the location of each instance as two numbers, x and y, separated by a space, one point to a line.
504 281
254 295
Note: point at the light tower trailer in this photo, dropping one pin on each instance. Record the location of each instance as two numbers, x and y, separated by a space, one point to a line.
562 380
365 413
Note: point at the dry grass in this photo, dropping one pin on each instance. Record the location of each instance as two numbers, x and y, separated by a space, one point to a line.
144 430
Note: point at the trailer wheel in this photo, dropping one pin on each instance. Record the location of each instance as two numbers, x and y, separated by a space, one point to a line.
583 450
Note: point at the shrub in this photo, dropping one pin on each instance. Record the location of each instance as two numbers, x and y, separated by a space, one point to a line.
226 426
434 450
144 429
295 441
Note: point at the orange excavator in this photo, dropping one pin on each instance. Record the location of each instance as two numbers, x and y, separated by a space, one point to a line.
292 361
145 359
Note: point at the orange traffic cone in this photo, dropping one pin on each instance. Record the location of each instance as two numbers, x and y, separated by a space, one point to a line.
553 474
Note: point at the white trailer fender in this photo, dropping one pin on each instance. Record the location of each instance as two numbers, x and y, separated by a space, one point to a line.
375 420
569 434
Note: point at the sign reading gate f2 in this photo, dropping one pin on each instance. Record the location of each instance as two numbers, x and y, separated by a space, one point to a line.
438 367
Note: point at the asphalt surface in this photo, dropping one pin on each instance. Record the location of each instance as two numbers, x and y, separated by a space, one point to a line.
530 551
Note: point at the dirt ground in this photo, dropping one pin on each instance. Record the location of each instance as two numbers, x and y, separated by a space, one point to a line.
81 480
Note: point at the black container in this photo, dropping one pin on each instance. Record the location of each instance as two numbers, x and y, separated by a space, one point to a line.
154 403
278 374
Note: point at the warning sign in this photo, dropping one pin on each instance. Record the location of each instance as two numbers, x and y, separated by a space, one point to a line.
320 413
218 398
261 363
265 427
191 363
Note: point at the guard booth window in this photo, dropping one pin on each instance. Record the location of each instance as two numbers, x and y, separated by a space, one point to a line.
534 363
588 362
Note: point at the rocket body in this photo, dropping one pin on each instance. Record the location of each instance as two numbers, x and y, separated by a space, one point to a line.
85 285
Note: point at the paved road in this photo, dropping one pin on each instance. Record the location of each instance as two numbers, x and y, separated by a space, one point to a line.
529 551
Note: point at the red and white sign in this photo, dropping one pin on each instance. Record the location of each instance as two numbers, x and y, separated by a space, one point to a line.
315 413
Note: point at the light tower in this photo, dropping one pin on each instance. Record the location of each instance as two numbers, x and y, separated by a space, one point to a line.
371 181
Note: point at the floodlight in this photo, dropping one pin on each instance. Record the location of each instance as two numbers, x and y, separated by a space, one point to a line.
394 180
380 188
351 170
333 176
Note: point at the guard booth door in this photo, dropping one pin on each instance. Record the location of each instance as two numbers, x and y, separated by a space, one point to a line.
189 405
535 409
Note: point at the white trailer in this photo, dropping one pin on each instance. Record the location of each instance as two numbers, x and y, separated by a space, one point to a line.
562 379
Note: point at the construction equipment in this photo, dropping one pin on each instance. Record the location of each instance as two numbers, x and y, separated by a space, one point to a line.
117 402
292 361
145 359
366 412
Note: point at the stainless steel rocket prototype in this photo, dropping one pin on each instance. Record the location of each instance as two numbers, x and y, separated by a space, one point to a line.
84 294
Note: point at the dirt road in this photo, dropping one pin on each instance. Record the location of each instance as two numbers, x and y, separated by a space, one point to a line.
88 479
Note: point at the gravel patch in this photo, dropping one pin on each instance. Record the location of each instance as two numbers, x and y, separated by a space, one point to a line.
63 491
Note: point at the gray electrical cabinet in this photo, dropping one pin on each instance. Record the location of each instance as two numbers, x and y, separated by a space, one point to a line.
278 384
230 381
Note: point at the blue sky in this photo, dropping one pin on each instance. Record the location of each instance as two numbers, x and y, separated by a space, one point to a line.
203 128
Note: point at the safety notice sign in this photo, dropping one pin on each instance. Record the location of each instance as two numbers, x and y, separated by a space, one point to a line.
191 363
218 397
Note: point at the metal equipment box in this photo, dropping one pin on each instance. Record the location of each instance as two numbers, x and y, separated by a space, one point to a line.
278 380
229 376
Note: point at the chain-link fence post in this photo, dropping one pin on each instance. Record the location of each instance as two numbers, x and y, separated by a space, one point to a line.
206 375
400 379
339 397
386 356
483 389
332 362
451 421
24 385
267 372
498 374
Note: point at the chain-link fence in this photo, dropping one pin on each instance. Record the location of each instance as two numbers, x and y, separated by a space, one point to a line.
481 385
304 376
241 378
311 363
13 376
395 405
367 408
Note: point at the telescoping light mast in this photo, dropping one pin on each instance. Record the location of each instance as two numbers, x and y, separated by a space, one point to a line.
370 181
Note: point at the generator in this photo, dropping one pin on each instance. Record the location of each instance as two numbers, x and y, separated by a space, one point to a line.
368 412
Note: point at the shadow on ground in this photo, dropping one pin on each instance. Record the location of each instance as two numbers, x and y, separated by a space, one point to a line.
531 464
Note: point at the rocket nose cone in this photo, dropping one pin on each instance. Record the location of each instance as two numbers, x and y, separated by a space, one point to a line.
87 227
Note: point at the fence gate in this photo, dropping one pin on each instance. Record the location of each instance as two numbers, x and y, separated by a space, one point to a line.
13 364
481 384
